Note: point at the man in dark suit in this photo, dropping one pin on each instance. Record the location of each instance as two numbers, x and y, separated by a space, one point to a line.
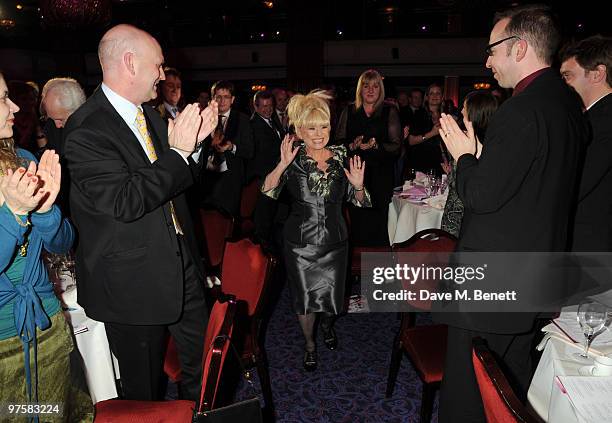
267 135
515 194
587 67
230 148
137 260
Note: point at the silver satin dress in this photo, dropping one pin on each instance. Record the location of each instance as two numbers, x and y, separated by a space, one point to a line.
315 234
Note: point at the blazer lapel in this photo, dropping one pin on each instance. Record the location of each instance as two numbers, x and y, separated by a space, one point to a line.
231 128
118 125
274 131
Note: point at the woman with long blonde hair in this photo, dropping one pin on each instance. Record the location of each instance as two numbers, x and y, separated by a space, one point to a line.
315 234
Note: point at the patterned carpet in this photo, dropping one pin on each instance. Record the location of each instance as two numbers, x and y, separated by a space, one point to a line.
349 384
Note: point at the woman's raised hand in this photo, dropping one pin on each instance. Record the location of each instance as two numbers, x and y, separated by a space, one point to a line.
287 151
355 172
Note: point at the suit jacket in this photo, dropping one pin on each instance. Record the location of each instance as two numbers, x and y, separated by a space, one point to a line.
518 195
129 262
267 147
225 188
592 230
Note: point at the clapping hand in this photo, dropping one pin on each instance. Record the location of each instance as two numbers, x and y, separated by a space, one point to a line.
210 117
50 175
457 142
368 145
184 130
356 143
288 152
19 189
355 172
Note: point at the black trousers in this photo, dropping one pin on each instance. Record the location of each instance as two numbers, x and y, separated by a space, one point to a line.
140 349
460 399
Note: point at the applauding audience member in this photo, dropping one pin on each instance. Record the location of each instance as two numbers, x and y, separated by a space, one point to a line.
35 339
371 129
512 196
137 260
478 109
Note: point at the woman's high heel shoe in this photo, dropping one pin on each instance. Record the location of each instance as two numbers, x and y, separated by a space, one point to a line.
310 360
330 339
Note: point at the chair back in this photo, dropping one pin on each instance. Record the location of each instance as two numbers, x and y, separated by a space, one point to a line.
500 402
216 344
246 271
217 228
248 198
437 246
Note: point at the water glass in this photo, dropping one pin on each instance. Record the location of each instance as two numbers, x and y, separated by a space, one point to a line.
592 317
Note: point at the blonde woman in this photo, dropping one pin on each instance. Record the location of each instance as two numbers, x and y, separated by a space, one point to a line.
371 129
315 235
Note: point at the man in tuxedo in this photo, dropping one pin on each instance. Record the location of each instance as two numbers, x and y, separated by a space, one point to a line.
230 148
137 259
515 194
281 100
587 67
267 136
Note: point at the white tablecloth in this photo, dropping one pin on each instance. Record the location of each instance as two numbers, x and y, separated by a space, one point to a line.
406 219
98 362
545 395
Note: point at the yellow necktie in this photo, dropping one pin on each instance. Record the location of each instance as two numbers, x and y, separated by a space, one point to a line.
141 124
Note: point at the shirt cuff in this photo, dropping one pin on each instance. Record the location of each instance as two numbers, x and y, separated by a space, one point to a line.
182 154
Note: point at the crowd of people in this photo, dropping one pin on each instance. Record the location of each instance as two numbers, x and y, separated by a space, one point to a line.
531 172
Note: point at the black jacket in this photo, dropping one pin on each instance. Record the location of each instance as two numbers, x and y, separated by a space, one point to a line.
129 263
592 230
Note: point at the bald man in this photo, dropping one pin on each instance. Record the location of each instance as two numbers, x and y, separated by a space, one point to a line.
137 259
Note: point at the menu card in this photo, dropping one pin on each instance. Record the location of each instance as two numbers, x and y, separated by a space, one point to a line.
590 396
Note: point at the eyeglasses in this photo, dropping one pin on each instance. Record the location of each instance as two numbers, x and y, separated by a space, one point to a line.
488 50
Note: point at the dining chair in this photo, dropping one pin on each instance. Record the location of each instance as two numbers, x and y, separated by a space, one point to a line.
217 339
501 404
217 227
247 274
355 252
425 345
248 200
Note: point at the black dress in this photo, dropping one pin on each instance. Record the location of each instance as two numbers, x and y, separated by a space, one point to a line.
369 226
315 234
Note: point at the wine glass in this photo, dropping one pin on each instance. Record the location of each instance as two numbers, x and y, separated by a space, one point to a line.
592 317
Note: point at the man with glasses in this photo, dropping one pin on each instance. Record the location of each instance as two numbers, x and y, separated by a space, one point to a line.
517 194
231 145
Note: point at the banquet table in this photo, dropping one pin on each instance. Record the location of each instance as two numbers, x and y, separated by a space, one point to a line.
99 365
406 218
546 395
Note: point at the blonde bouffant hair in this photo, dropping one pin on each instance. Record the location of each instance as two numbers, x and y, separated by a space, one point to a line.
310 109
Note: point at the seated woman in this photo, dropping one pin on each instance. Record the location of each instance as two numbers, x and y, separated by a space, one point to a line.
35 340
478 108
315 234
